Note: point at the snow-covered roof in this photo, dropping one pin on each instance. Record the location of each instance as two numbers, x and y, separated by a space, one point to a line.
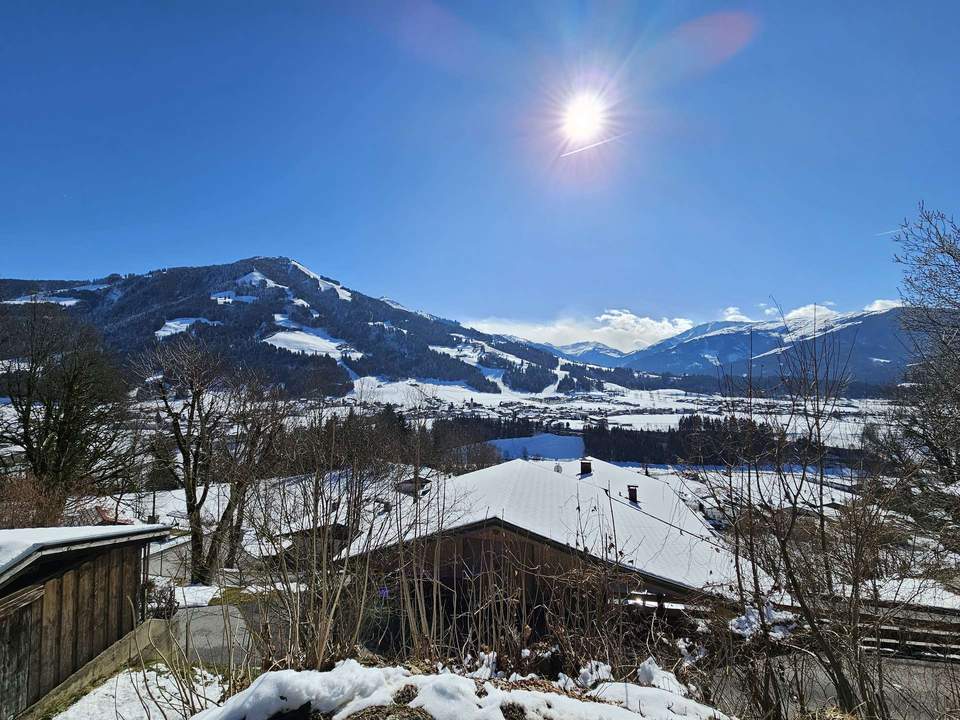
19 548
658 536
790 487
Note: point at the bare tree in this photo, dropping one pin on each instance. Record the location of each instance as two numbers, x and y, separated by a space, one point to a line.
252 450
313 603
836 549
70 420
929 417
189 392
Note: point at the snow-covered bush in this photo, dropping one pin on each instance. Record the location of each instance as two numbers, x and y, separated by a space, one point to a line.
779 623
650 674
161 598
350 688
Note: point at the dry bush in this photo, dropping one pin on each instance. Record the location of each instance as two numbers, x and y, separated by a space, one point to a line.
26 502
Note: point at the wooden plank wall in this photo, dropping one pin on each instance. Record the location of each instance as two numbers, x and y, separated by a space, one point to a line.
49 631
16 637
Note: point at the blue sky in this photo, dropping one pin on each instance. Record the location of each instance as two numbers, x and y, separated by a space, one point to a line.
410 149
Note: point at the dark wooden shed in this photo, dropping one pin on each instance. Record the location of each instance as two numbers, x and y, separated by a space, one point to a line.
66 594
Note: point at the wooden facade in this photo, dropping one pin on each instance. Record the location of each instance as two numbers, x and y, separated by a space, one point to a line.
62 612
501 548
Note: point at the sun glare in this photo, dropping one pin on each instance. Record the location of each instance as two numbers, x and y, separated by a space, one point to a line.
584 118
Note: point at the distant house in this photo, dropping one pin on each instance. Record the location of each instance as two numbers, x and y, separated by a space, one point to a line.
278 519
66 594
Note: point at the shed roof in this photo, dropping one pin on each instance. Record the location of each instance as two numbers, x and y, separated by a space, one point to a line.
19 548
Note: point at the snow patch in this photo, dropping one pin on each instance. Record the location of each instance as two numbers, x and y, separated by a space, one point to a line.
179 325
654 703
650 674
229 296
393 303
91 287
387 326
43 298
324 285
258 279
487 667
780 623
153 693
196 595
310 341
594 672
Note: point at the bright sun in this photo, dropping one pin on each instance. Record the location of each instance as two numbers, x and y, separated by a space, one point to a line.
584 118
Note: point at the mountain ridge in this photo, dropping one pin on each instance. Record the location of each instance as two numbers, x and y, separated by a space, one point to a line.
278 314
871 341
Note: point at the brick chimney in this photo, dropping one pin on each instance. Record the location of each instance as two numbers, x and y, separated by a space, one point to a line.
585 466
632 493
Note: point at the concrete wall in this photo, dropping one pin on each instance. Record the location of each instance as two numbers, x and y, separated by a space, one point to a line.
171 562
214 635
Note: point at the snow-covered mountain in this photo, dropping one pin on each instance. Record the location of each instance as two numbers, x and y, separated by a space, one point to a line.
592 353
313 334
301 328
871 345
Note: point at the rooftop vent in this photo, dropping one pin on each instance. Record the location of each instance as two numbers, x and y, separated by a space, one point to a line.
414 486
558 468
585 466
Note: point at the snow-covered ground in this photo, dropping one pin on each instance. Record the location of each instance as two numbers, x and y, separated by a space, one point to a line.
256 278
311 341
323 284
179 325
170 506
350 688
42 298
195 595
144 695
619 406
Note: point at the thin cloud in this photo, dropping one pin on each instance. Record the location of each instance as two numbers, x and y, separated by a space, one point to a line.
808 312
732 312
625 330
618 328
881 304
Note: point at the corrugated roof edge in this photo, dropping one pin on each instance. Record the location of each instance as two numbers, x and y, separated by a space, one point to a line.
136 532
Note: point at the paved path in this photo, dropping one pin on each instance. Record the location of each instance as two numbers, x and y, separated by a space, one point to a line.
211 634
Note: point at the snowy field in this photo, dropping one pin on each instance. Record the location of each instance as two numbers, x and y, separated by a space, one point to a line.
311 341
619 406
179 325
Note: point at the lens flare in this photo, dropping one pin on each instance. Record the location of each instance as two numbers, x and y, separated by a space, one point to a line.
584 118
